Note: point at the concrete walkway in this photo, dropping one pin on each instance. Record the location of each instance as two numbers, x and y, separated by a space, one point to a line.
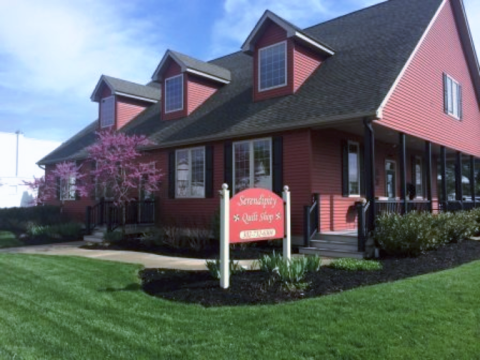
147 260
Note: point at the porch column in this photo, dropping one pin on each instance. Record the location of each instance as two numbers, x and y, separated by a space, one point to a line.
472 180
458 176
403 173
369 161
428 164
443 164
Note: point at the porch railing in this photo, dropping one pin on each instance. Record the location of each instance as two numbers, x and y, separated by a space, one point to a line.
311 216
105 213
398 206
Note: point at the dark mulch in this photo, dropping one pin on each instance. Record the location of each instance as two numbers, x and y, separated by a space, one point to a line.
251 251
251 288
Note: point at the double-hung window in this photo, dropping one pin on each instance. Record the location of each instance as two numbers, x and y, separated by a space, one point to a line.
67 189
190 173
107 111
418 176
174 94
353 169
252 161
272 66
453 97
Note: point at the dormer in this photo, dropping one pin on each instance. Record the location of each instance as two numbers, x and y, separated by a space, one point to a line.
187 83
284 56
120 101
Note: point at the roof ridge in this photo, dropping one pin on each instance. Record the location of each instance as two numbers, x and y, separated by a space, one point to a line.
116 78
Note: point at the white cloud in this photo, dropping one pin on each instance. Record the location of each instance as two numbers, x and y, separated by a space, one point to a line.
60 46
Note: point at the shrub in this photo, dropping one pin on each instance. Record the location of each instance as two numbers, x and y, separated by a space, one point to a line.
153 237
67 231
455 227
291 273
198 237
355 265
213 267
20 219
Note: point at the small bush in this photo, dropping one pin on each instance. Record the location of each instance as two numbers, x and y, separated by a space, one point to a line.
198 237
113 237
67 231
406 235
213 267
355 265
455 227
20 219
153 238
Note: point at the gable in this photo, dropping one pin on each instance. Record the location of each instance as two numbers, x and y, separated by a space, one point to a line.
416 106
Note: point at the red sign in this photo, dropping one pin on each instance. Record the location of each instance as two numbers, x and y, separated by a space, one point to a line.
256 214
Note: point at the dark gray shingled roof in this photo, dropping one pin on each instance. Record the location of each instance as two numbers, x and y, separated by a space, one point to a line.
130 88
371 48
202 66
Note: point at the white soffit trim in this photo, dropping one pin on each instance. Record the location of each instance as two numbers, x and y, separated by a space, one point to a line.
135 97
314 43
199 73
409 61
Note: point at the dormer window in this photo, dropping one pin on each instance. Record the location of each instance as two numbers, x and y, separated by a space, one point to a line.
107 111
174 94
272 66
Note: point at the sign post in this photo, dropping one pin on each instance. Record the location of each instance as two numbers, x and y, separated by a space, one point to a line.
287 240
225 237
252 215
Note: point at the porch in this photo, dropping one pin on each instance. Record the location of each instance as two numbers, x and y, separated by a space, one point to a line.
442 179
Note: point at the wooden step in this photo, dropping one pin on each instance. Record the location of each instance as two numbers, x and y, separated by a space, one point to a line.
334 245
334 237
93 239
331 253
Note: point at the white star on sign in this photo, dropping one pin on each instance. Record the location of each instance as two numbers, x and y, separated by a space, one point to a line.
279 216
236 218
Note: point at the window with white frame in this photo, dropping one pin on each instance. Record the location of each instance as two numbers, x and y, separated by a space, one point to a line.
252 161
107 111
174 94
67 189
453 93
418 177
353 169
272 66
190 173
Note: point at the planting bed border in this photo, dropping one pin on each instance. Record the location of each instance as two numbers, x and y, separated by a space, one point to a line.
252 288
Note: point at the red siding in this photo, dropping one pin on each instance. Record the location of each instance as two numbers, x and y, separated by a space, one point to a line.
306 62
273 34
199 90
416 106
127 109
172 70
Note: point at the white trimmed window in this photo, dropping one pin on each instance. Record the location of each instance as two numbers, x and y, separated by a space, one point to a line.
453 97
353 169
107 111
190 173
418 177
252 164
174 94
272 66
67 189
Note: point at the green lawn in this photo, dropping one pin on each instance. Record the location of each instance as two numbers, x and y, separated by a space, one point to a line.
74 308
8 239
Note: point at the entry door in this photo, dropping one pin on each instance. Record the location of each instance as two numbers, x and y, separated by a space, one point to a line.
390 179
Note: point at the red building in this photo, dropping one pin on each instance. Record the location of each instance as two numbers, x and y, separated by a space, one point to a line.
358 115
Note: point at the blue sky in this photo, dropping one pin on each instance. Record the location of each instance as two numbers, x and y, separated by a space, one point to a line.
52 52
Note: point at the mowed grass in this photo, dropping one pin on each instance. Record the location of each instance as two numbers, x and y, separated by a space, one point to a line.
74 308
8 239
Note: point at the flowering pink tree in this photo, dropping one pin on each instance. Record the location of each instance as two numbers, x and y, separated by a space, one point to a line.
64 182
119 172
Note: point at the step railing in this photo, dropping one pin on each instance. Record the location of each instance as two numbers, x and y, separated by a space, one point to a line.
106 213
311 216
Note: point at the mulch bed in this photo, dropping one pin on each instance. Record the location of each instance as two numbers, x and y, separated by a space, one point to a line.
251 288
212 252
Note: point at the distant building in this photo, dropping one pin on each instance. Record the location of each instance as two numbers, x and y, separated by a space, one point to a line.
18 163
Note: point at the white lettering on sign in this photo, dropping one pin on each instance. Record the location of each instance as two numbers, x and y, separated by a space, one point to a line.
255 217
257 234
259 201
